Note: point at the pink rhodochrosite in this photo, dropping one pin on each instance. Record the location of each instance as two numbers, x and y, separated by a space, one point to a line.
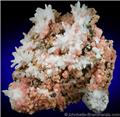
63 59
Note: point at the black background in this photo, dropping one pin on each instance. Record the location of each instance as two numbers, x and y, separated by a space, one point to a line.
15 20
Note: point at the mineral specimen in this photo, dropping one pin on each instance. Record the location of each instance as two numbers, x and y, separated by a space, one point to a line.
63 59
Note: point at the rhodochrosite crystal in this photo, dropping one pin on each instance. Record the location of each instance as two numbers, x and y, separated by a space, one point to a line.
63 59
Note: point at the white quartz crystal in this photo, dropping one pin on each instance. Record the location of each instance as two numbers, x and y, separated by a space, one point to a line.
96 100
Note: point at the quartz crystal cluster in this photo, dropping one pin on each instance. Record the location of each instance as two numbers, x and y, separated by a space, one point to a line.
63 59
